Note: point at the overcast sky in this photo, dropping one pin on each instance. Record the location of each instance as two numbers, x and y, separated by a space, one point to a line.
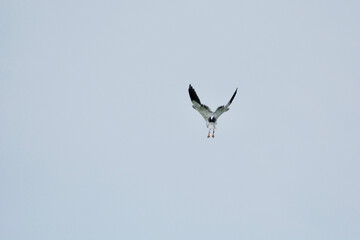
98 139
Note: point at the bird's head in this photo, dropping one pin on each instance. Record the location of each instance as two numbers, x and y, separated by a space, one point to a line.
212 119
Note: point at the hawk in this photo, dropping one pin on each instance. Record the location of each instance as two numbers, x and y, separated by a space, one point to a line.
209 116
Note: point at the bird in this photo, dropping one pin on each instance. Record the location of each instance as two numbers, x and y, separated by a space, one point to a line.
209 116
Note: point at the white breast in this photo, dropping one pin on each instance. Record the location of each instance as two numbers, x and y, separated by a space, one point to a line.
211 125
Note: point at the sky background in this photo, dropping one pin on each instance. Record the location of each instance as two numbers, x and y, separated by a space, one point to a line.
98 139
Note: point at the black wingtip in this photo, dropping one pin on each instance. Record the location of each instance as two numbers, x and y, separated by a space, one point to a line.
233 96
193 95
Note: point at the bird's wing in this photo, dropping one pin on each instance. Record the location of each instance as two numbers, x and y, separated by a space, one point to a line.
220 110
201 108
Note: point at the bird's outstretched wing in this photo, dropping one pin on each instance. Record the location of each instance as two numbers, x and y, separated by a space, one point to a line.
220 110
201 108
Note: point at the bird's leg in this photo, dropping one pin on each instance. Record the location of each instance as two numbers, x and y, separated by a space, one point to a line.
208 134
213 135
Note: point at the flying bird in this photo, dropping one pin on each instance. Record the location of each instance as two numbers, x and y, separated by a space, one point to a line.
209 116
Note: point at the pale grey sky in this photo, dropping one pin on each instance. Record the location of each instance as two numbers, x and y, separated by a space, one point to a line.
98 139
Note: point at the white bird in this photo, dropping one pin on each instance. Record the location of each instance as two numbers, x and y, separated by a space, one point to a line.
209 116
